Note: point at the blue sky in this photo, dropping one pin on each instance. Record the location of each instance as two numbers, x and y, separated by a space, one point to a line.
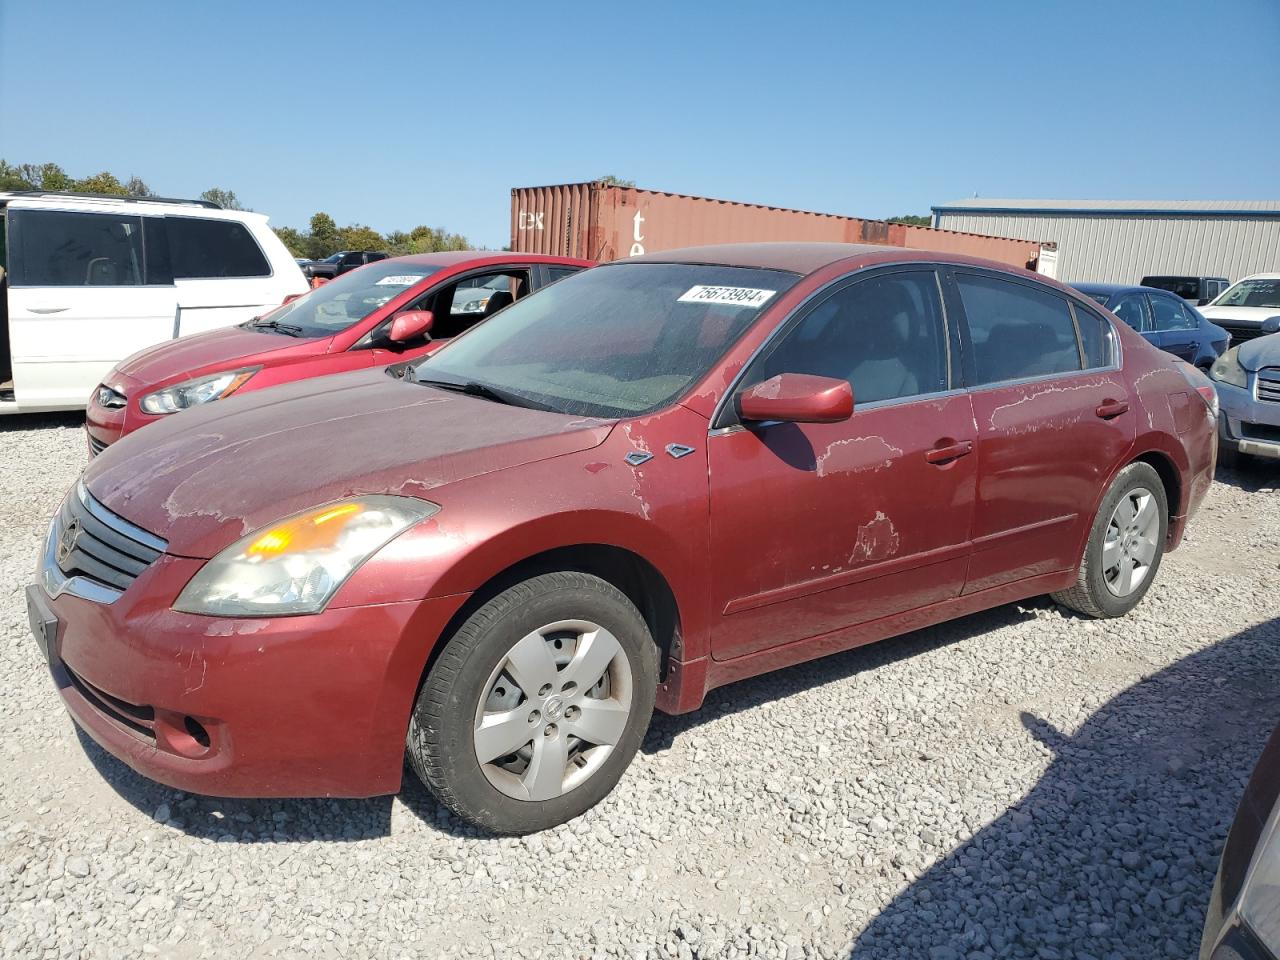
399 113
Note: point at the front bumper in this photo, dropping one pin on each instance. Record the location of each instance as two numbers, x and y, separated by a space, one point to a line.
292 706
1247 424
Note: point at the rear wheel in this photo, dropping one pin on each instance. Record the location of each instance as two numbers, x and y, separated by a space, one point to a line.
537 704
1125 548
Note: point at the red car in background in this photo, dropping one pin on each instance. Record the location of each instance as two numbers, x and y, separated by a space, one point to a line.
388 311
654 478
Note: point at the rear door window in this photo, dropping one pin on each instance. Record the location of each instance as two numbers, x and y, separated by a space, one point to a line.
1169 314
55 248
1097 339
1132 309
202 248
1015 330
559 273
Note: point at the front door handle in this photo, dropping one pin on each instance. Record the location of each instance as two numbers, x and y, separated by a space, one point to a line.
947 450
1110 409
46 309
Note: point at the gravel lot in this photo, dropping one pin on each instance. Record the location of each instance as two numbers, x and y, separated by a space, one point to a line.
1016 784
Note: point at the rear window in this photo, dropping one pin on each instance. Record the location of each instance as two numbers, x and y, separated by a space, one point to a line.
204 249
1188 288
1017 331
57 248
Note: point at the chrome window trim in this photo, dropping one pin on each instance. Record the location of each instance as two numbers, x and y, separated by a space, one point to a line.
782 324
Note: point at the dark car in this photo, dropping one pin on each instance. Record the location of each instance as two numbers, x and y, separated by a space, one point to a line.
1164 319
1243 921
1198 290
335 265
652 478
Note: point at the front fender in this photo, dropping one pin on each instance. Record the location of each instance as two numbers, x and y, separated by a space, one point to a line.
488 524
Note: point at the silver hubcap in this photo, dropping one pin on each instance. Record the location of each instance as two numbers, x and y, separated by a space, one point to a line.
1131 543
553 710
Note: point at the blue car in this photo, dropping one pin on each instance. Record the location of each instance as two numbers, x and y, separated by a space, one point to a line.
1164 319
1248 382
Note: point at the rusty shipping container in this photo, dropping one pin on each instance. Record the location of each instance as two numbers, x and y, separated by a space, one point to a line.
599 221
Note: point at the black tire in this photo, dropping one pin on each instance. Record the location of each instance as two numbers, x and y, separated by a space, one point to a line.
441 747
1090 594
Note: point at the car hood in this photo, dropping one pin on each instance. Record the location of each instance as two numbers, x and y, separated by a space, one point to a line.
1260 352
224 347
204 478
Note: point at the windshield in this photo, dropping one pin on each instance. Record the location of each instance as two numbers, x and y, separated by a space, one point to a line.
332 258
613 341
1251 293
338 304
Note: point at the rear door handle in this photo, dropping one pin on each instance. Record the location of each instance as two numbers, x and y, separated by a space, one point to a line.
1109 409
948 450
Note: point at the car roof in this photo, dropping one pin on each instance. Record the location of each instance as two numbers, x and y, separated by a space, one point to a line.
66 200
451 258
1261 276
808 258
1110 288
795 257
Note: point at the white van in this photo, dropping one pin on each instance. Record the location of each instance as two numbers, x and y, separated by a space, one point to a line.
88 280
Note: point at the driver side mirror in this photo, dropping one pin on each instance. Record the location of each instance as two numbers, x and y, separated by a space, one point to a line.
1271 325
797 398
412 323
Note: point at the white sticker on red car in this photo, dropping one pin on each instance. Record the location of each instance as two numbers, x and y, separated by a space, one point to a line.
729 296
399 280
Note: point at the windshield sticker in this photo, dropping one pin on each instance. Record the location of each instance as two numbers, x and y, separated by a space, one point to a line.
730 296
399 280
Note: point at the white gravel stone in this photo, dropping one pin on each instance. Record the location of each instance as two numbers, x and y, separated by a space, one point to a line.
1020 783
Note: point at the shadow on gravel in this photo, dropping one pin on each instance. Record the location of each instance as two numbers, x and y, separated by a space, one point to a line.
1113 853
752 693
1250 474
24 422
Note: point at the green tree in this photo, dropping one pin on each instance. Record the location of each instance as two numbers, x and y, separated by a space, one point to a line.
613 181
226 199
294 240
136 188
912 220
53 177
357 236
323 237
103 182
11 178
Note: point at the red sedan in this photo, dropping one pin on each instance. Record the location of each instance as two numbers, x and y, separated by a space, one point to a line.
387 312
656 477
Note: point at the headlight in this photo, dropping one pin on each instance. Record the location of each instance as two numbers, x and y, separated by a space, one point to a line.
297 565
192 393
1262 887
1227 369
474 306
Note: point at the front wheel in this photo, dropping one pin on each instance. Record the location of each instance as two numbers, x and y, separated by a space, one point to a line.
537 705
1126 545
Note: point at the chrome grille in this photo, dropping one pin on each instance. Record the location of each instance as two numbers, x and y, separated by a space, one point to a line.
96 446
94 554
1269 384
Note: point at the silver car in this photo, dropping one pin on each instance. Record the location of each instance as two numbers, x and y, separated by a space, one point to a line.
1248 381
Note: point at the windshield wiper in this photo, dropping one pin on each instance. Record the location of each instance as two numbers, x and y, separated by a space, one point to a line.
473 388
288 329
